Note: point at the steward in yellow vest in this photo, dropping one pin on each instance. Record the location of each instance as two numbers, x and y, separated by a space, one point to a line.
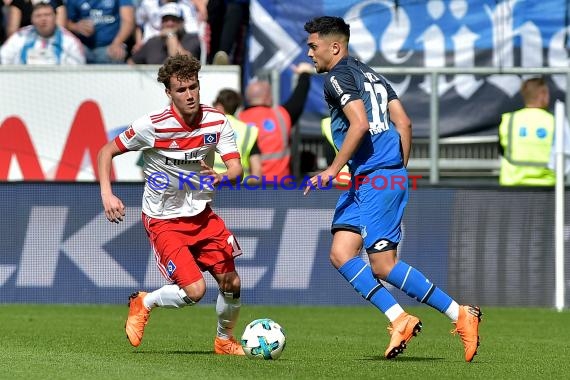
246 136
327 133
525 139
228 101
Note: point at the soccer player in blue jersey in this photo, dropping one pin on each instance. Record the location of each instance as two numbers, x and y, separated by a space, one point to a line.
373 135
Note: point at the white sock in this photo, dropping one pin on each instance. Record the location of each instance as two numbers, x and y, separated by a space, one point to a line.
394 312
453 311
227 309
169 296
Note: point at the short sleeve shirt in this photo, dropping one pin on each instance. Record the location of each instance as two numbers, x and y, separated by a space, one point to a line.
105 15
350 80
172 153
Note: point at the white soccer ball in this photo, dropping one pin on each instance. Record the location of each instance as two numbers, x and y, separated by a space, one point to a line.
263 339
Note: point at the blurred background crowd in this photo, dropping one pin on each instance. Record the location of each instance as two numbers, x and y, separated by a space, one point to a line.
122 31
137 32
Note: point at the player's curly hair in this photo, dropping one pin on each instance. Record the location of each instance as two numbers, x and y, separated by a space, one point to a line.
182 66
327 26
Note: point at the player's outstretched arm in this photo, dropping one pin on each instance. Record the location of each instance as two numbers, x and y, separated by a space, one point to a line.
114 208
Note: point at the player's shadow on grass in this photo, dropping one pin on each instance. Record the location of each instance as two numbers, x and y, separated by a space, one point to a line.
401 358
175 352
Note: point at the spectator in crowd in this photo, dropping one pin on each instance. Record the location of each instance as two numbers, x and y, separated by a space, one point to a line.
42 43
171 40
228 21
228 101
104 27
20 13
149 20
3 18
275 122
525 139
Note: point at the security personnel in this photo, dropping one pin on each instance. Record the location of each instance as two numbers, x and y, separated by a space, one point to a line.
525 139
274 126
228 101
327 133
274 122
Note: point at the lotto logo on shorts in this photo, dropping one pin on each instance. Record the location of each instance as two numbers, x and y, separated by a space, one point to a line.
210 138
170 268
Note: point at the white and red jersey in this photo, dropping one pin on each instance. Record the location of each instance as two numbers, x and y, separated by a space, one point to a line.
172 151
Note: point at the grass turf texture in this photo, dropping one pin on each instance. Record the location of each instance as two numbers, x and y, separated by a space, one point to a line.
88 342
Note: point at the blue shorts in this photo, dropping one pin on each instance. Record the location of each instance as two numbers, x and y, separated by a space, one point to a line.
375 208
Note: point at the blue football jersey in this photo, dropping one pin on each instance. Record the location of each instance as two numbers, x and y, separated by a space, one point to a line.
349 80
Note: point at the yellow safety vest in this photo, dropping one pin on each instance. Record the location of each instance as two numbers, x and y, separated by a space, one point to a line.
526 137
326 131
245 136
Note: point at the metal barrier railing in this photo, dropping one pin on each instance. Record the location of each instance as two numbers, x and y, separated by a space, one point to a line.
440 154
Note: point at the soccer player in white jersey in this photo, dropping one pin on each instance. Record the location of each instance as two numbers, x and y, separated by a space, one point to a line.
187 237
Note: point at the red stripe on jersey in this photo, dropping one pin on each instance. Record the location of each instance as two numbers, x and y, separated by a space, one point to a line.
120 145
229 156
163 113
211 109
162 118
197 123
182 143
181 121
168 130
210 124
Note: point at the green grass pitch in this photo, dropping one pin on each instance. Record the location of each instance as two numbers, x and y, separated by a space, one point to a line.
88 342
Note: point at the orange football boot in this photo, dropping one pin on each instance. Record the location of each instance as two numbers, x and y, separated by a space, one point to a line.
402 330
467 326
227 347
137 319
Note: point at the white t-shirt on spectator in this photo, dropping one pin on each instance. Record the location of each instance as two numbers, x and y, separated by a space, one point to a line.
26 47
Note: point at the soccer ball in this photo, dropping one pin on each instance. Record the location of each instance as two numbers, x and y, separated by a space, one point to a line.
263 339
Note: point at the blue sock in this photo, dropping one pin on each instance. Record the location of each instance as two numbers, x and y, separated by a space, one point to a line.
360 276
412 282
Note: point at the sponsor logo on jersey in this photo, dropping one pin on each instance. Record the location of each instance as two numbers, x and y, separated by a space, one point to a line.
210 138
130 133
335 85
170 267
173 161
173 145
191 155
344 99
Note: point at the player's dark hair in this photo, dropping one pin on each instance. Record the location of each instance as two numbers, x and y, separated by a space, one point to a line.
42 4
182 66
229 99
328 26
